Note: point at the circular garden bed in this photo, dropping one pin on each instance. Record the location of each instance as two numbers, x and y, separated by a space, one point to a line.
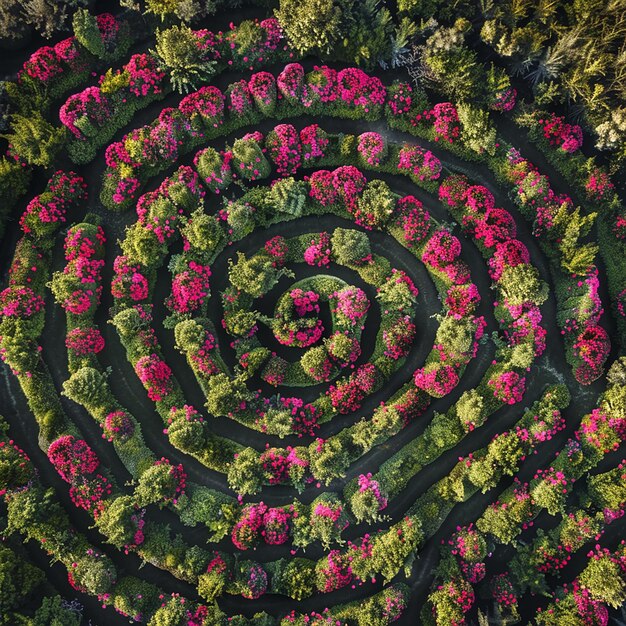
293 337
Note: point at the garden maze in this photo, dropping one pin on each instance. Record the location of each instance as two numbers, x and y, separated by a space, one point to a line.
289 341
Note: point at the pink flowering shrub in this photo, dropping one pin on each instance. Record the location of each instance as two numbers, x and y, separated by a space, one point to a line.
86 112
566 137
508 387
204 108
46 212
275 526
505 100
72 457
155 374
414 220
262 86
359 90
246 533
349 183
346 396
291 85
421 164
495 226
399 99
318 252
125 190
145 76
592 347
462 300
399 337
43 65
350 304
453 190
441 249
445 121
89 493
301 332
322 188
438 379
277 249
284 149
304 417
254 582
20 302
598 184
509 253
282 465
328 520
321 85
603 432
83 341
128 281
372 148
239 100
333 573
275 369
314 142
190 288
368 497
118 426
479 200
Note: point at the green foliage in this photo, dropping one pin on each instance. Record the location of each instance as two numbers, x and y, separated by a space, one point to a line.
18 580
256 275
313 362
95 574
116 522
522 283
350 246
87 386
162 8
289 196
215 174
311 25
608 490
225 394
369 34
392 551
478 132
54 612
186 62
294 578
244 474
603 578
451 65
35 140
443 432
377 202
365 505
241 218
204 232
142 245
470 409
156 485
249 161
87 33
331 462
396 296
14 181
